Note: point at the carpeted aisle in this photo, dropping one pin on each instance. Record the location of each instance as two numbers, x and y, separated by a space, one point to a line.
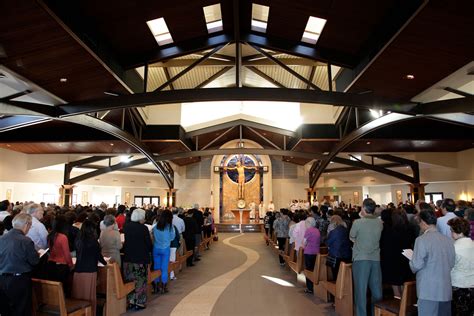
239 275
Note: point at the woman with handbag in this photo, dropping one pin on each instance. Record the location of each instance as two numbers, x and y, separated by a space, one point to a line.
339 245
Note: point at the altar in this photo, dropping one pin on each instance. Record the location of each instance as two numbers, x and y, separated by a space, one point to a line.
245 215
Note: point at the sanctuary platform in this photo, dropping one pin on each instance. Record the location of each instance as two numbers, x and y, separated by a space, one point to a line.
235 228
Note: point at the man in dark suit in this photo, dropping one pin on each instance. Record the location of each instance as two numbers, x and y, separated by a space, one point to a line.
191 229
198 235
17 259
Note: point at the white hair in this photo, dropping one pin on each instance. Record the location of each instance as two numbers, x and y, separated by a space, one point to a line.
310 222
138 215
32 208
21 220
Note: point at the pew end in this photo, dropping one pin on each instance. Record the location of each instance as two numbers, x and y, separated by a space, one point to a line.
48 299
401 307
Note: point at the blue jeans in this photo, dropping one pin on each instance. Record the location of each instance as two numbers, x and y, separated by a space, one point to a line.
366 273
161 259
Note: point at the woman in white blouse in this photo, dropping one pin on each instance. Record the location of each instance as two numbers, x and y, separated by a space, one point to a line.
462 275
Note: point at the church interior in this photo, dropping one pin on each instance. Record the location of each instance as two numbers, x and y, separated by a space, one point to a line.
242 110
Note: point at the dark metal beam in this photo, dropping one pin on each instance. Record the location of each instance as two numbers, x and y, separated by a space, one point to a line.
356 134
230 151
265 76
311 76
236 94
223 63
14 122
168 77
363 165
178 50
346 169
97 124
300 49
213 77
8 108
458 105
458 92
104 170
238 47
227 125
191 67
288 69
215 139
456 118
85 161
264 138
15 95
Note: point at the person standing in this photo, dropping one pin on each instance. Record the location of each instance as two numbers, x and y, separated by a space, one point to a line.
339 244
17 259
261 210
191 227
60 260
447 208
37 232
163 235
85 272
312 239
281 227
110 241
366 271
271 207
432 261
462 275
137 249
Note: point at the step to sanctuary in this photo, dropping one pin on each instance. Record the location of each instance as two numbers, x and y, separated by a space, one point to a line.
235 228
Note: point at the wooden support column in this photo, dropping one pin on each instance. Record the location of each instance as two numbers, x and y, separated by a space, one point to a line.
417 191
65 194
311 195
171 197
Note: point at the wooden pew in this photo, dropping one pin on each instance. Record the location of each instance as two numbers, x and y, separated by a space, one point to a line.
298 266
117 290
48 299
400 307
182 259
290 254
342 290
318 275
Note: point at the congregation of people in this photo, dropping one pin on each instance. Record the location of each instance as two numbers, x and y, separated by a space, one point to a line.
68 245
373 238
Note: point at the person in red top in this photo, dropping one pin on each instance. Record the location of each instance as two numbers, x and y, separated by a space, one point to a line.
59 261
120 218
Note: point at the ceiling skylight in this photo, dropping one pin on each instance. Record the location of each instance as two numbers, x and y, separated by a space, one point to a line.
259 17
313 30
213 16
160 31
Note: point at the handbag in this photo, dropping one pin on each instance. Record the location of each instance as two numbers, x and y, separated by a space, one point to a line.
331 261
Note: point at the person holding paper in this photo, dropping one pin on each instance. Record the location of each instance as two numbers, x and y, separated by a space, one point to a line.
17 259
59 261
432 261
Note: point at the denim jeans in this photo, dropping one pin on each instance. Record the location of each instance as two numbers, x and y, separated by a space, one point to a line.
161 258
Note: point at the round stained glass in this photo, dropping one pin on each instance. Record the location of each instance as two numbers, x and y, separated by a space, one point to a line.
247 161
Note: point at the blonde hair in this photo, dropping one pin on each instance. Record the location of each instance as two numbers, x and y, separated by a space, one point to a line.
337 221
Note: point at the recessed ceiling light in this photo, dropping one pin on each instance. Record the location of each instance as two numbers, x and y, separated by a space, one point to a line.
8 145
63 80
410 77
331 162
111 144
368 143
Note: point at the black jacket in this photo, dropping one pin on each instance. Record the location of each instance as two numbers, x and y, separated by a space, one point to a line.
88 255
137 247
